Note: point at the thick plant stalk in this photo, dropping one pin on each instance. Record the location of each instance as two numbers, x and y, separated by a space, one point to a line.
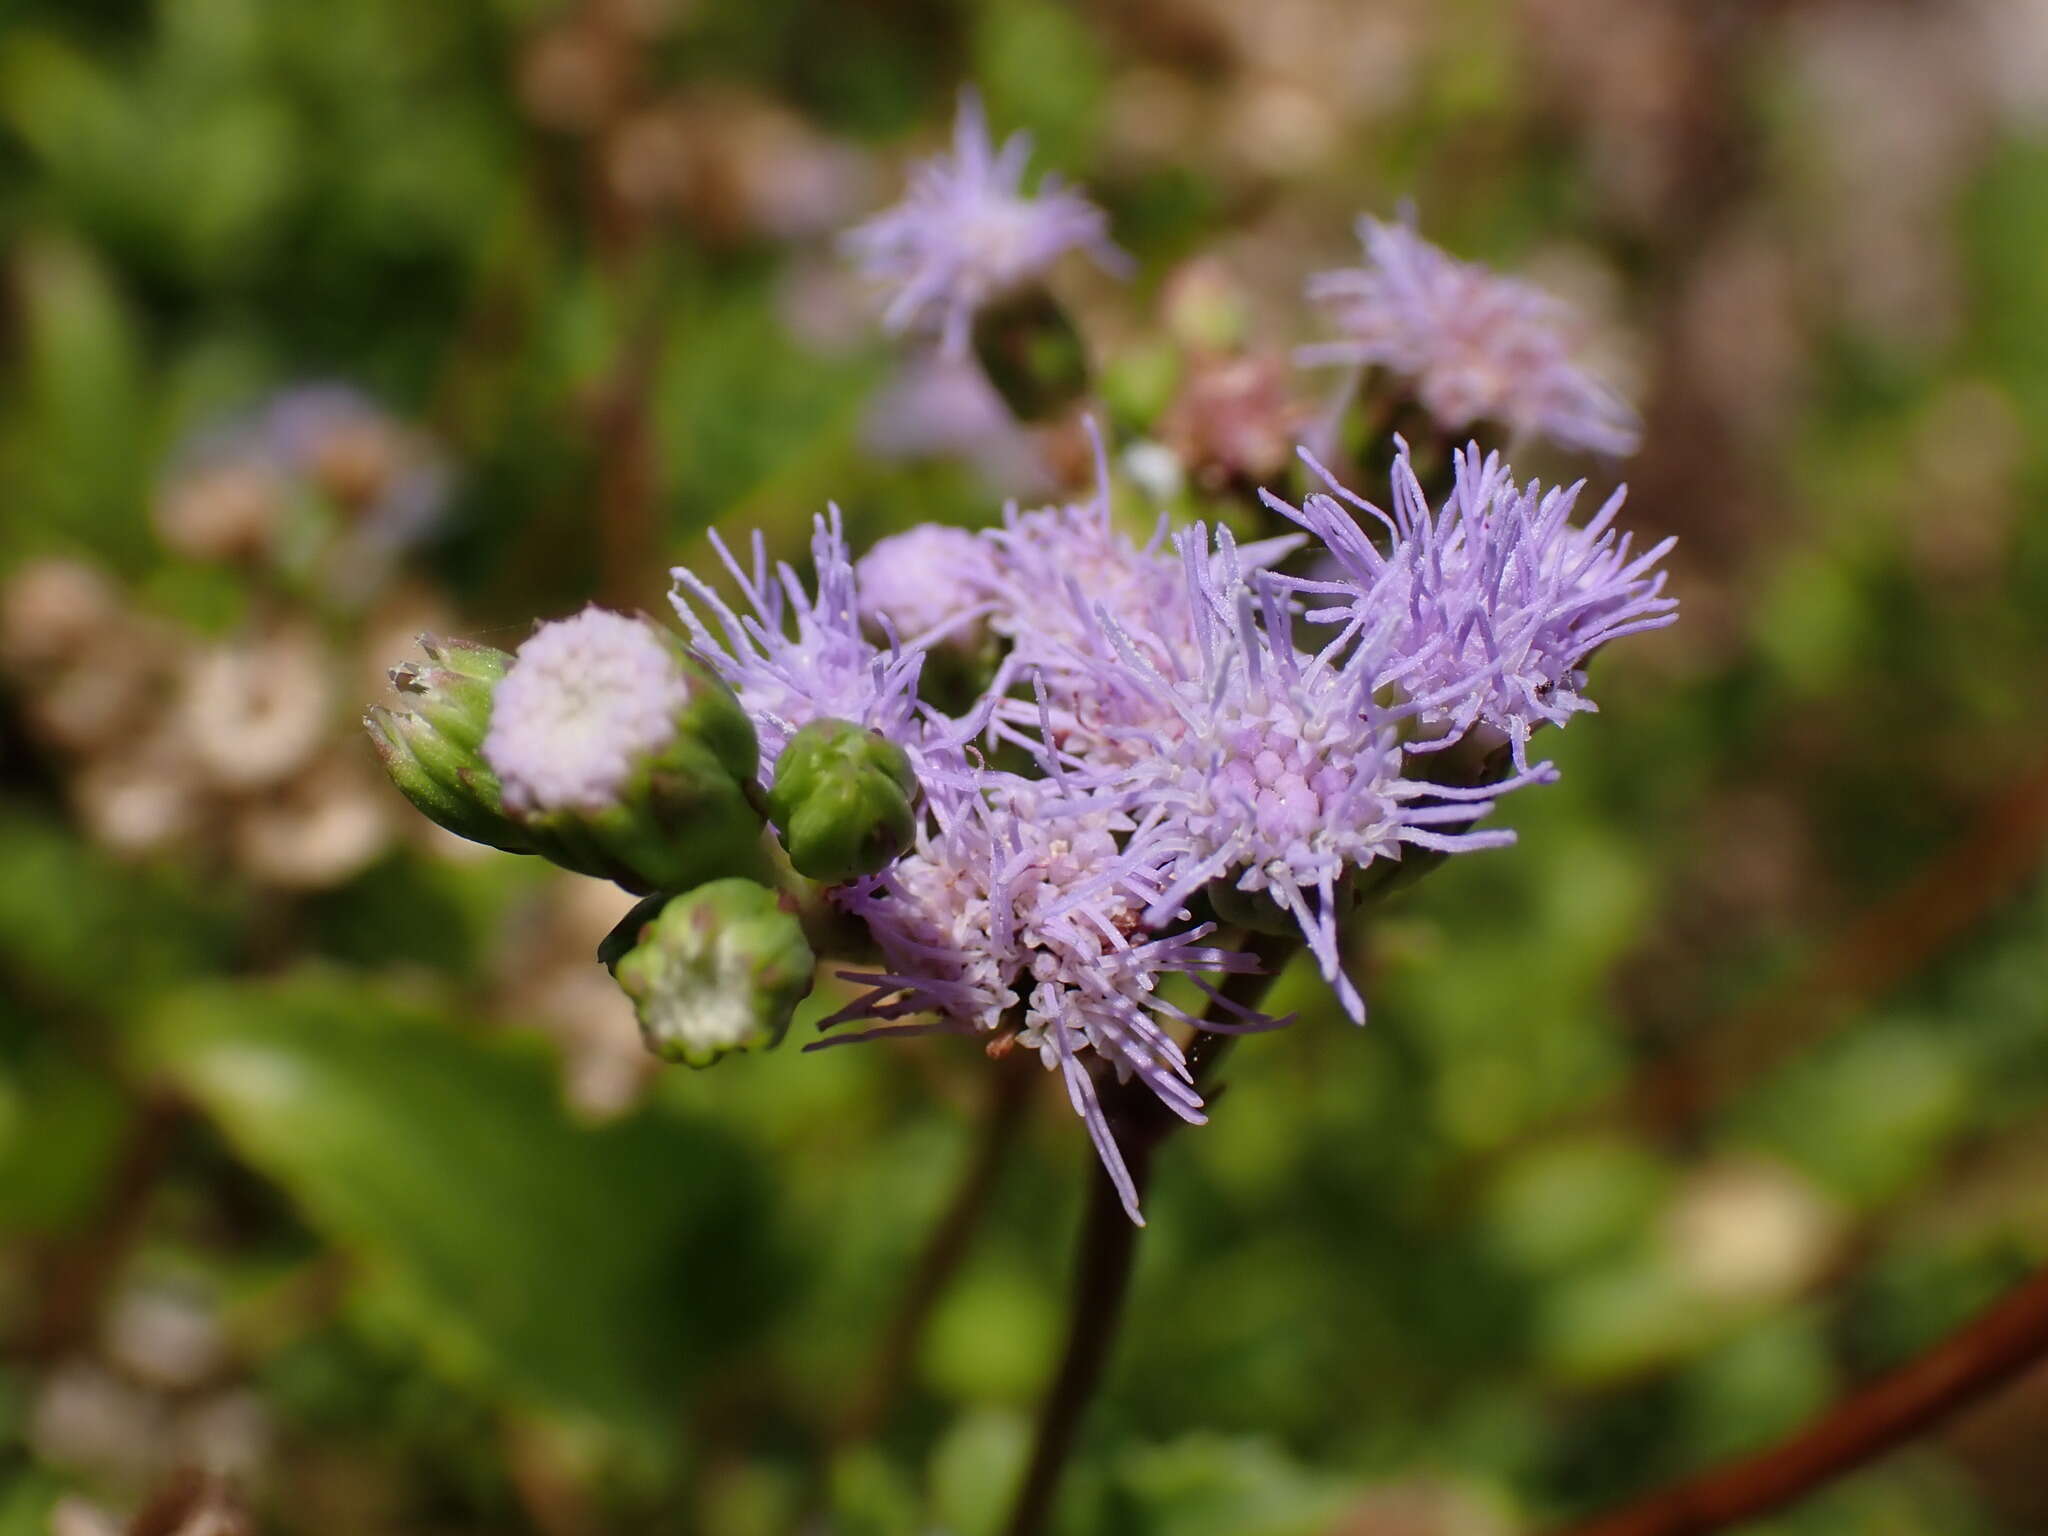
1967 1365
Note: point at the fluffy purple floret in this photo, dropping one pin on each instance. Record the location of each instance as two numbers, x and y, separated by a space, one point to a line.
796 655
1017 912
1478 346
966 232
1490 608
1252 761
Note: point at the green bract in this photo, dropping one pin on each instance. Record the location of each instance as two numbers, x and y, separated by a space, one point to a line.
721 968
1032 354
842 800
430 747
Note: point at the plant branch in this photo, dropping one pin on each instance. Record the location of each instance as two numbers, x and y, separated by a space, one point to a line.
1109 1243
1967 1365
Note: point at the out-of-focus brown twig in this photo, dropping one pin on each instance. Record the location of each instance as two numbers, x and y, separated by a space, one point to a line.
629 536
1964 1367
194 1503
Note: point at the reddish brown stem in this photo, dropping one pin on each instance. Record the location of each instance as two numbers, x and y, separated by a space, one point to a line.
1969 1364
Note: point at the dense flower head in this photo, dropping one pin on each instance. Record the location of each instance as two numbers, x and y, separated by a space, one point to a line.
1021 917
1265 766
1492 605
585 701
1065 576
1476 345
966 232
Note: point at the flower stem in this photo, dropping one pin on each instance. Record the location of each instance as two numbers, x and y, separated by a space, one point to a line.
1109 1243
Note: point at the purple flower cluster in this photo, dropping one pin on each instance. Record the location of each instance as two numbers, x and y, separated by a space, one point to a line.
1199 726
1505 598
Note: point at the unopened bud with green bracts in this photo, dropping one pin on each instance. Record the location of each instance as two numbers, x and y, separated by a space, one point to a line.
622 755
717 969
430 745
842 799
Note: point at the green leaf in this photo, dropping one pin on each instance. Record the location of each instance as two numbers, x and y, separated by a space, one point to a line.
590 1271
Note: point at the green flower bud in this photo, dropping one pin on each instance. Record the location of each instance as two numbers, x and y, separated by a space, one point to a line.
721 968
842 800
430 746
1032 354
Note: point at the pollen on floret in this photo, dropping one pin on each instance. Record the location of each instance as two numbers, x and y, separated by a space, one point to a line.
586 699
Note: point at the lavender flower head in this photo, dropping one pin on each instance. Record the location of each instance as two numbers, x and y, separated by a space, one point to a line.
1019 917
1058 571
1478 346
1491 606
966 233
1272 769
584 700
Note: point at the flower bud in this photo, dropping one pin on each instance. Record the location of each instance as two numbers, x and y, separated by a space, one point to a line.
623 756
1032 354
720 968
430 748
842 800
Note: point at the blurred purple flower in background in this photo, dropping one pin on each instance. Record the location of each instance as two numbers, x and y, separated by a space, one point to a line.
1476 345
320 481
966 233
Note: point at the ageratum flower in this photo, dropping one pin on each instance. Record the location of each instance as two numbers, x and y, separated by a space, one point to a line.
796 656
928 582
1274 769
1199 731
1021 917
1476 345
1058 570
967 233
1489 609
